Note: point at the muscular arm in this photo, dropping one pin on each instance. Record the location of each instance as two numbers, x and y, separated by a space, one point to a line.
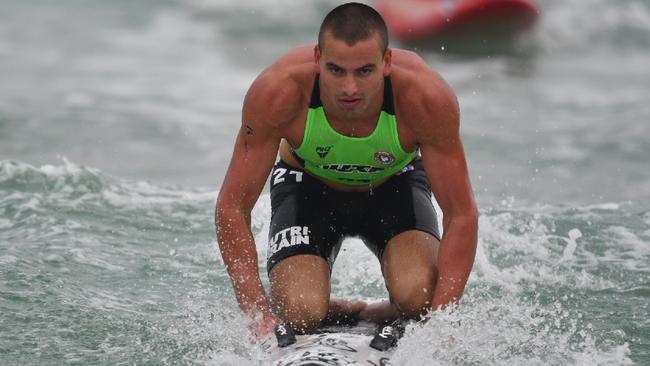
446 168
264 114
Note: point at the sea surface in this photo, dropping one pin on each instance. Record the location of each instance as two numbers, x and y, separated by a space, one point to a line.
117 120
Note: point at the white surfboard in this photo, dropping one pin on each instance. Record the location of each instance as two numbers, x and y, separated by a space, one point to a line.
331 346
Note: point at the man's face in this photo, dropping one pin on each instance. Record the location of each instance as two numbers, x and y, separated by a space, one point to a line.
351 77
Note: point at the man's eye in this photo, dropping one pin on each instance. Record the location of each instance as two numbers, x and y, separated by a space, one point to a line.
336 70
365 71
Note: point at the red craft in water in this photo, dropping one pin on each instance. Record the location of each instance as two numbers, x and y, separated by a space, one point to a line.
417 20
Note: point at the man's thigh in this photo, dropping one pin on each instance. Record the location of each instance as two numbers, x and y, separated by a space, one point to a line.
302 219
411 248
402 204
300 288
300 275
410 269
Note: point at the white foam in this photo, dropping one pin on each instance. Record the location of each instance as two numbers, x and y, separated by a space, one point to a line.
142 194
516 251
223 327
260 221
608 206
8 259
571 245
103 300
646 218
503 331
617 355
357 271
195 98
81 256
79 99
8 169
629 251
67 169
5 223
275 9
54 258
564 25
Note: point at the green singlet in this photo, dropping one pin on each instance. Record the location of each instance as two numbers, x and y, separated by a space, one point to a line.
352 160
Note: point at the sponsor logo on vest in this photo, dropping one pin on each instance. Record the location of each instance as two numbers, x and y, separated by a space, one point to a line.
352 180
351 168
384 157
322 151
407 168
295 235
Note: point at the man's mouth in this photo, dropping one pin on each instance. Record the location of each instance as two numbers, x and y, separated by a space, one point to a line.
349 102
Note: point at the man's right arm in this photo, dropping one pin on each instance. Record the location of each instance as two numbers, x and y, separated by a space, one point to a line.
263 117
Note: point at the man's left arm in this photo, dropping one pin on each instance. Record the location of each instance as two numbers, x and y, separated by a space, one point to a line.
446 168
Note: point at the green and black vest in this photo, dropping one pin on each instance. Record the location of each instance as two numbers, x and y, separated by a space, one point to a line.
352 160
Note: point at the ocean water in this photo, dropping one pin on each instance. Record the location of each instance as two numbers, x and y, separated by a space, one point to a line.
116 126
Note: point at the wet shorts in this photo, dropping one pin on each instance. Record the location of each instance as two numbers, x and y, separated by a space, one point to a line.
308 217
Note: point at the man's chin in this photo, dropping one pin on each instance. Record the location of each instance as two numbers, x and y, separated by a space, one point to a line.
352 112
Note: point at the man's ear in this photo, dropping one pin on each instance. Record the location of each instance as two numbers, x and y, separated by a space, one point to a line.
316 59
388 61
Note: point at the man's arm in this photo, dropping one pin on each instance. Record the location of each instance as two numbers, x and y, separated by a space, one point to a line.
256 147
446 168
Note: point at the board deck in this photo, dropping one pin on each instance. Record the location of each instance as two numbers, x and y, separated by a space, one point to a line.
335 345
418 20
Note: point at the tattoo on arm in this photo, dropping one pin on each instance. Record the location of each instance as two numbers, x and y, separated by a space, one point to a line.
249 132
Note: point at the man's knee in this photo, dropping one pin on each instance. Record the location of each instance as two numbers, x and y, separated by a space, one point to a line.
300 291
410 271
303 311
413 299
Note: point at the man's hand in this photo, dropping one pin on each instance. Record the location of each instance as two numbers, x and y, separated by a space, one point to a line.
270 105
263 325
379 312
434 117
344 312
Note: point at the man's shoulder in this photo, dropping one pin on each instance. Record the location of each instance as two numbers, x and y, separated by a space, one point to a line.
281 90
291 73
416 81
424 100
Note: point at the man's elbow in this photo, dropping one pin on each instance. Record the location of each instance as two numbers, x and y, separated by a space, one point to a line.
468 216
471 219
472 216
224 214
227 205
219 212
229 214
220 206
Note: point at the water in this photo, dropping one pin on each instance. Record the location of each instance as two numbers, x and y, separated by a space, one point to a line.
116 125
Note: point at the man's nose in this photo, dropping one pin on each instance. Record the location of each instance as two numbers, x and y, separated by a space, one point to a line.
350 86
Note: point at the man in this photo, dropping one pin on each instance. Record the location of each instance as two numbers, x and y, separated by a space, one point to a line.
364 134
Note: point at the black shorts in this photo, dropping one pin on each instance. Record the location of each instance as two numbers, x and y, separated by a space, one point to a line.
308 217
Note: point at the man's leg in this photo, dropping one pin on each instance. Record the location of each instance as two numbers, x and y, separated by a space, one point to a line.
300 294
300 291
409 265
304 237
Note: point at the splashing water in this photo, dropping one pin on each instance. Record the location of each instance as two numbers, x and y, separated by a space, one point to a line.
104 269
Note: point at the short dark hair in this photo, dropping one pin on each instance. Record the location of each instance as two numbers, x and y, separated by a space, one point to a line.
354 22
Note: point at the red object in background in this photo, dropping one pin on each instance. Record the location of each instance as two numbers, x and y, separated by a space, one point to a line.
415 20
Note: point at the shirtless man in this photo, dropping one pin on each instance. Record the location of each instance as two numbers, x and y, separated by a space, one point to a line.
364 134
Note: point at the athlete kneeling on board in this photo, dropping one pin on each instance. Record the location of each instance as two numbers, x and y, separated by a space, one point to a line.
364 134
